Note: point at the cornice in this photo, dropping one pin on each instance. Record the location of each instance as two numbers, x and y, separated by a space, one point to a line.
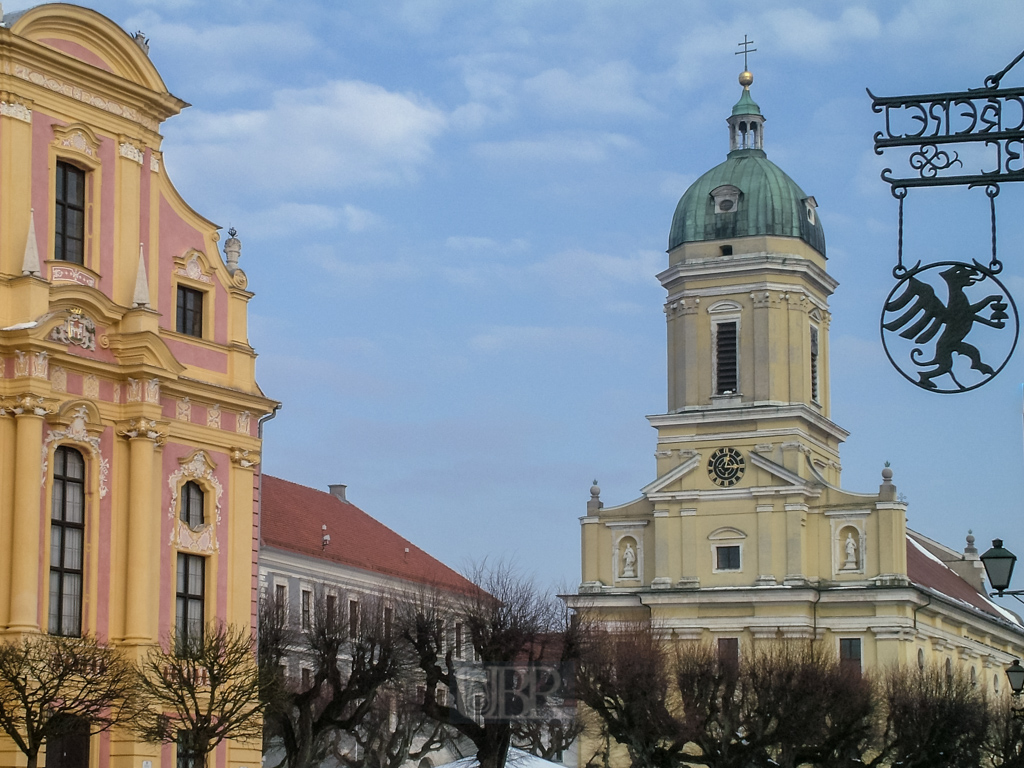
749 412
25 60
731 266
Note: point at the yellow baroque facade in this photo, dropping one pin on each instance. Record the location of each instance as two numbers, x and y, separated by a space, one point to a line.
745 534
129 409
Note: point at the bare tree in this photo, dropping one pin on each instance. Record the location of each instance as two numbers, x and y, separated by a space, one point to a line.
394 732
785 705
49 684
515 636
801 707
351 659
200 690
1005 747
624 676
931 718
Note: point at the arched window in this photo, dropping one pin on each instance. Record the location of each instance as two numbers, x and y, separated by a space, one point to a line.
920 659
67 535
192 504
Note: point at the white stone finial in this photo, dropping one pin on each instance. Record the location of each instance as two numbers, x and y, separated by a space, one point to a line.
232 250
141 296
30 263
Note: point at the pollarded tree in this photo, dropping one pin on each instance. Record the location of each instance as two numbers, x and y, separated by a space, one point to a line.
625 677
395 732
1005 747
50 685
514 637
199 690
931 718
351 658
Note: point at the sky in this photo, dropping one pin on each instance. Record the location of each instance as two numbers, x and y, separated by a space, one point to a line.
452 214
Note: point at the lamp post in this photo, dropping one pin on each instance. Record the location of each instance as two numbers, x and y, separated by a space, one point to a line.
999 562
1015 675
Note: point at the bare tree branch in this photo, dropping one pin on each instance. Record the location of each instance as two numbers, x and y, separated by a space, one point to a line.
50 683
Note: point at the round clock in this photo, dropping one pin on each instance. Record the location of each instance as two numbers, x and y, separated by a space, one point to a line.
725 467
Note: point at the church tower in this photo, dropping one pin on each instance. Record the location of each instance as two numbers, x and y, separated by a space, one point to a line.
745 534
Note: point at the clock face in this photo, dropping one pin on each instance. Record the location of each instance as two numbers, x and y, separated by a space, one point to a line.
725 467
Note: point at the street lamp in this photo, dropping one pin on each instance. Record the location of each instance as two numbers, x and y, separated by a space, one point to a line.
1015 674
998 562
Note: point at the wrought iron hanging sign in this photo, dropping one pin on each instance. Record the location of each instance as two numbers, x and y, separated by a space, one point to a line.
951 326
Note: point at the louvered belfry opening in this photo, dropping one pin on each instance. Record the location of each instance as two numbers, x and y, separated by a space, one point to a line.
726 373
814 364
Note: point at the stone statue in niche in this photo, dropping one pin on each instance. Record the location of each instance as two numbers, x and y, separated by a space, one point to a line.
629 562
850 546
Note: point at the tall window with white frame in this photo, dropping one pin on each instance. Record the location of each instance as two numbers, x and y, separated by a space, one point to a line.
726 358
814 364
69 207
192 502
191 598
67 535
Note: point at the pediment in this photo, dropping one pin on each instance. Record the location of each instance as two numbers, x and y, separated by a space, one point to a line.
678 472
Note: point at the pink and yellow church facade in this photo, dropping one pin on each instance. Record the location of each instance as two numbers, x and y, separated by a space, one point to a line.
129 409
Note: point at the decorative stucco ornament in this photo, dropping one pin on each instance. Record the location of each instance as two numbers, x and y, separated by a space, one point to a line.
77 329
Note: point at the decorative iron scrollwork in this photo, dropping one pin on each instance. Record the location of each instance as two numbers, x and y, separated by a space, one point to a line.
961 342
926 337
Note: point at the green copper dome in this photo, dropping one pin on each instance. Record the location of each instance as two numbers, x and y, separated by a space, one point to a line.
747 194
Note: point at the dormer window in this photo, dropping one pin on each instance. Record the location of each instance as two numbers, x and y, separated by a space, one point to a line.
726 197
809 205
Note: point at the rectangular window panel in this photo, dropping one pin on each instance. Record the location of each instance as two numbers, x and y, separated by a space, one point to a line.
190 599
74 503
332 612
55 595
69 210
353 618
190 311
71 617
729 653
72 549
728 558
57 507
67 536
726 352
280 597
849 654
307 609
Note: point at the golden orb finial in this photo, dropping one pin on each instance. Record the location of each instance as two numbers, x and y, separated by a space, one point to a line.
746 78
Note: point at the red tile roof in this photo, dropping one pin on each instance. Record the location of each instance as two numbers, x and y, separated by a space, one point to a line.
292 516
927 571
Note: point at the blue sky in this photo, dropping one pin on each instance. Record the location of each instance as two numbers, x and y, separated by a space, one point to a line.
452 213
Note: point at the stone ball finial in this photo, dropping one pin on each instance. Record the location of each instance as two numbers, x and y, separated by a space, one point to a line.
887 473
970 539
746 78
595 490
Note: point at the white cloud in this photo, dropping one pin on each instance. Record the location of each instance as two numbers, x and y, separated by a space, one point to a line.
609 89
800 32
485 244
556 148
359 219
581 270
343 134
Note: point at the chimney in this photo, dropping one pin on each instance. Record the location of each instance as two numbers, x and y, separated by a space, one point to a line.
338 491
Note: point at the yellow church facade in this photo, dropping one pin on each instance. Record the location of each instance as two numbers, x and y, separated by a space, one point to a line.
129 410
745 535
